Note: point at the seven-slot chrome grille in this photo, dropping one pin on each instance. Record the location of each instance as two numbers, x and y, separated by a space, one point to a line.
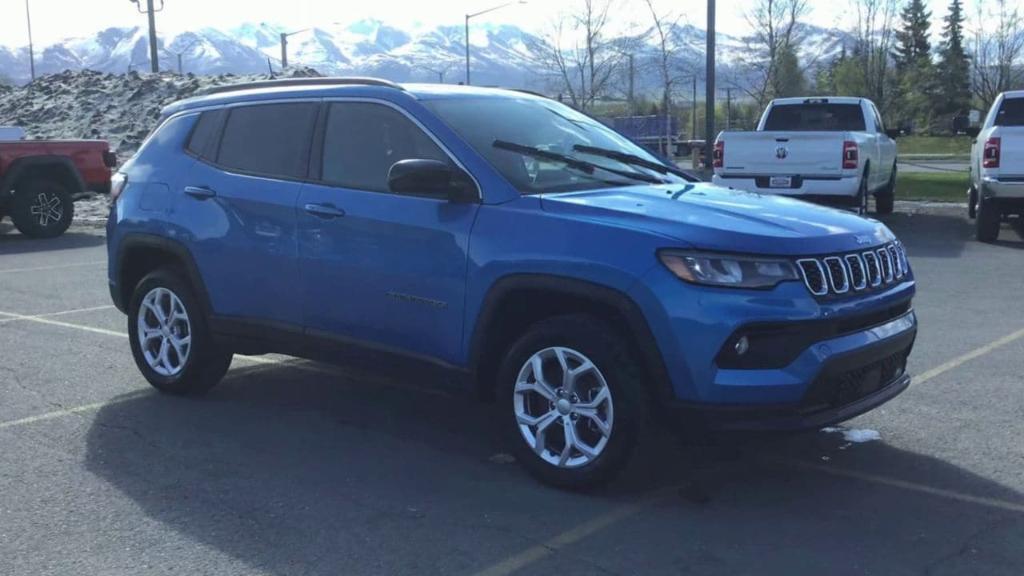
841 274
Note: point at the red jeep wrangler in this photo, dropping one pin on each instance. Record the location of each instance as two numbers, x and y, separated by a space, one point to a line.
40 179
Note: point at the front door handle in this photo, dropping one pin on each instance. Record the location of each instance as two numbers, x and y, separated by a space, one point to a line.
324 210
200 192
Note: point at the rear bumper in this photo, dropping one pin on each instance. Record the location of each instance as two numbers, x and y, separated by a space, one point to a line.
848 385
837 188
1008 189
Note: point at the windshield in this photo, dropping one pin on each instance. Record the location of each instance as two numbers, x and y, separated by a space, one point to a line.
815 118
518 124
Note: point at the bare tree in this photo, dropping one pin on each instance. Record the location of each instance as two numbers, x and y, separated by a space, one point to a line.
775 31
664 28
998 45
875 36
578 57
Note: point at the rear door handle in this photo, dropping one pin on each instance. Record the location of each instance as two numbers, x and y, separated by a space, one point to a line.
324 210
200 192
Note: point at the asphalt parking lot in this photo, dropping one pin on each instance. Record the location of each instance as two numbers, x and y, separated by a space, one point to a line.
291 468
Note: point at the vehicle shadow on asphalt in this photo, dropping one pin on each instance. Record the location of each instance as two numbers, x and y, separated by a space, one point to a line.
943 235
13 242
298 471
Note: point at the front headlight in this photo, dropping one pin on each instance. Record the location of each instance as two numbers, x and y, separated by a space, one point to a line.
728 269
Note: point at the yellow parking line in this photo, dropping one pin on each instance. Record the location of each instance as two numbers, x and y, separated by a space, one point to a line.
905 485
962 359
54 267
16 318
539 552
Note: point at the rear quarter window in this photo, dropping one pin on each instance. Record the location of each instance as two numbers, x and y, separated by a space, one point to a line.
268 139
1011 113
824 117
203 141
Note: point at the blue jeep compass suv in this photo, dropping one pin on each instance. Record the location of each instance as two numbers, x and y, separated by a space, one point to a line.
539 256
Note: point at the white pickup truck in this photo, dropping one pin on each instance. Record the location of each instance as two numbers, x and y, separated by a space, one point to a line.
833 150
997 166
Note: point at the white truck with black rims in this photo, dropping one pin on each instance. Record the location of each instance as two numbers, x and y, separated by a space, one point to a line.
997 166
830 150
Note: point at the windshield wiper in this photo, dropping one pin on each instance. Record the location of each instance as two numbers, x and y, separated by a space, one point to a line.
572 162
632 159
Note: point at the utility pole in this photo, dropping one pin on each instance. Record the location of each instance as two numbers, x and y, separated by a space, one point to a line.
709 82
31 52
284 50
150 11
632 85
693 121
468 83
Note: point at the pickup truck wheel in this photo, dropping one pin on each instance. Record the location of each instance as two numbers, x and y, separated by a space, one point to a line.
576 401
169 337
886 197
987 222
42 209
972 202
862 195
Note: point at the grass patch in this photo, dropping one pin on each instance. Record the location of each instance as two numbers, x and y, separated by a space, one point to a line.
959 145
938 186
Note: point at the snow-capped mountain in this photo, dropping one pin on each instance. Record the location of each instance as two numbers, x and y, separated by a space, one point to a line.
502 55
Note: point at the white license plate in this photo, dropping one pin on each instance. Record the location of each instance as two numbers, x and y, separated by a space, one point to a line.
780 182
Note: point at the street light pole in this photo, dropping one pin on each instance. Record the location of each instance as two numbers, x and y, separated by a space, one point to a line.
284 50
31 52
709 84
481 13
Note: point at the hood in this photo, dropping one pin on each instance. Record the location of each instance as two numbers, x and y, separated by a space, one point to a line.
708 217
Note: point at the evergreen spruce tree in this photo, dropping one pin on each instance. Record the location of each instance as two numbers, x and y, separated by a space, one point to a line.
955 83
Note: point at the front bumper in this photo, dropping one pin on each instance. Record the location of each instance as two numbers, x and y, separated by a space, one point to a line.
847 386
836 188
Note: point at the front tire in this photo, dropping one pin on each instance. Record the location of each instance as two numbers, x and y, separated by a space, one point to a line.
572 391
987 222
170 339
42 209
862 195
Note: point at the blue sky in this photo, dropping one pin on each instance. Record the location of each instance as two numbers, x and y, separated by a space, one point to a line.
53 20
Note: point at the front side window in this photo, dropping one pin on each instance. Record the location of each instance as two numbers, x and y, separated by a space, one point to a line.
824 117
268 139
527 129
363 140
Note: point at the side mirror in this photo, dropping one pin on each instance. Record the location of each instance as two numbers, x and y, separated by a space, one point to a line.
431 178
973 131
893 133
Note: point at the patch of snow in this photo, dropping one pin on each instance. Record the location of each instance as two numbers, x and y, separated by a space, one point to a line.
854 435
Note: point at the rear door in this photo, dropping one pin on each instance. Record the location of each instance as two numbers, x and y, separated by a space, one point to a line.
383 268
237 208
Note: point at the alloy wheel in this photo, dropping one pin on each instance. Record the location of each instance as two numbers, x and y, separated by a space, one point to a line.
563 407
164 332
48 208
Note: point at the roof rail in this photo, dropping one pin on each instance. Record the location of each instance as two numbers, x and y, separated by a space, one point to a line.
315 81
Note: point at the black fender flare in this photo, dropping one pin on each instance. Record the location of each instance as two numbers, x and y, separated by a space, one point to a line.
137 240
640 333
19 166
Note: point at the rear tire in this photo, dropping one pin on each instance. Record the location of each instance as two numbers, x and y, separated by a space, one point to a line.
885 198
972 202
986 225
170 337
862 195
600 409
42 209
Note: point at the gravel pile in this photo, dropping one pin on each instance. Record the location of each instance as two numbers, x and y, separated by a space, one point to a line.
119 108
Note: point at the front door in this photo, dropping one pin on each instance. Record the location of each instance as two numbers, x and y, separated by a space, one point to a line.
382 268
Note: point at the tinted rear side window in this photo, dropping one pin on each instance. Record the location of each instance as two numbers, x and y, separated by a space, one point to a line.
268 139
815 118
202 143
1011 113
364 140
